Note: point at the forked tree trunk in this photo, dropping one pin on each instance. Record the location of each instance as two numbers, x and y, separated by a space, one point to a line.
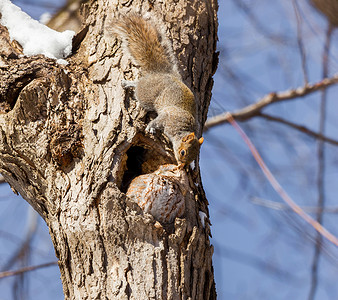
71 139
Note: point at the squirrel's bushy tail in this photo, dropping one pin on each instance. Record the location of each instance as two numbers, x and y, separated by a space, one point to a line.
150 49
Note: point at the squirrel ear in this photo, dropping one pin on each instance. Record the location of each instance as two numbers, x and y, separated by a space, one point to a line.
189 137
201 140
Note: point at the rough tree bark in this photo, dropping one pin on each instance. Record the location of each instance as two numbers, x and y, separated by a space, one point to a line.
71 138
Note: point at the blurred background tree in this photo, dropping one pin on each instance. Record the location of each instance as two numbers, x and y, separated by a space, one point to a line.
263 250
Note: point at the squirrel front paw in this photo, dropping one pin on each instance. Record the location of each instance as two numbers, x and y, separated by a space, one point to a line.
128 84
150 129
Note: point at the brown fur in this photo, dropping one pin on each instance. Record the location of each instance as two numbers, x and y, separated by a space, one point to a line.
143 42
160 88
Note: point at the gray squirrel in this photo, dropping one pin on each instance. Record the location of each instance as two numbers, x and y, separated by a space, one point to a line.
160 87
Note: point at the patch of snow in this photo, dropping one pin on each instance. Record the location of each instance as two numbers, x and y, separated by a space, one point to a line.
34 37
45 17
62 61
203 216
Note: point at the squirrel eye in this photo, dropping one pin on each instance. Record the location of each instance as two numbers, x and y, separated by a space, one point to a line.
182 152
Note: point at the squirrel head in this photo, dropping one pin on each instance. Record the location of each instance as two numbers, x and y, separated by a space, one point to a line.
188 149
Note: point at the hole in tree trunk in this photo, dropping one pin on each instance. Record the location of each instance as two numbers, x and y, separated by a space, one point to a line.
134 163
143 157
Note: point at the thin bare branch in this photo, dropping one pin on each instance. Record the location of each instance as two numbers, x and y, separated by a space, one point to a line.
26 269
283 207
321 168
300 42
254 109
254 261
278 188
24 248
258 25
301 128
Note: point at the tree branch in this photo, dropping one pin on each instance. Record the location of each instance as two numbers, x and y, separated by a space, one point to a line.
26 269
256 262
258 25
321 167
278 188
284 207
300 41
301 128
253 110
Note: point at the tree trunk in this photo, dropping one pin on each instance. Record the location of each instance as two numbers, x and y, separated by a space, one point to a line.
71 140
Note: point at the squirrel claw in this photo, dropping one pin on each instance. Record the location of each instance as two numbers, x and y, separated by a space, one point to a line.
151 130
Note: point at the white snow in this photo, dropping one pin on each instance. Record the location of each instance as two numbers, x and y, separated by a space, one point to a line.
61 61
45 17
34 37
202 217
